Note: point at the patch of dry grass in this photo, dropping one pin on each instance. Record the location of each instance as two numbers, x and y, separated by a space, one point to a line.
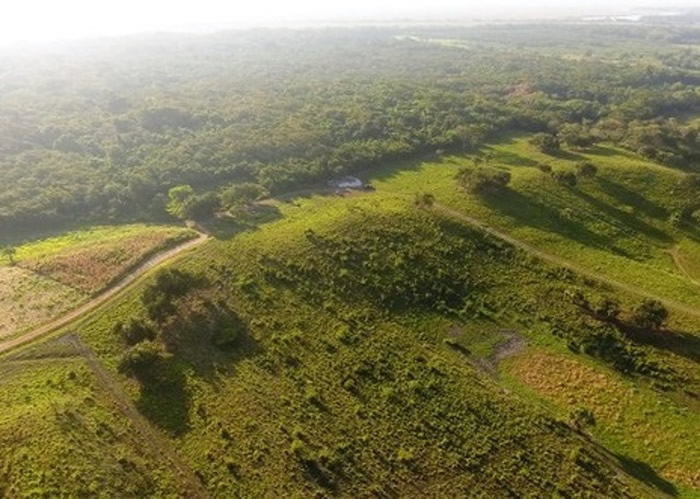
648 425
91 267
27 299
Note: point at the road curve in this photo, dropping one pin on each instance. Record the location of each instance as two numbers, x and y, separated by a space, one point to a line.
671 304
98 300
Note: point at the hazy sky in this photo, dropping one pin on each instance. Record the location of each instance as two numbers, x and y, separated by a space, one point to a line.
39 20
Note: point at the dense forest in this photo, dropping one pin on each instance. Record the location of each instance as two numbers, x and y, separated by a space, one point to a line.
103 132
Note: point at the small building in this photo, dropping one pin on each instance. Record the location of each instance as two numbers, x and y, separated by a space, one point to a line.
347 182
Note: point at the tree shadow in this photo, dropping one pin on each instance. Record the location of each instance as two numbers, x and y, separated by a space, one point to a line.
608 152
631 198
513 159
626 219
165 400
567 155
207 351
677 342
225 227
529 212
645 473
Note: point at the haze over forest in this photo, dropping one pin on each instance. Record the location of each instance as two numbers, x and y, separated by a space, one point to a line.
75 19
349 249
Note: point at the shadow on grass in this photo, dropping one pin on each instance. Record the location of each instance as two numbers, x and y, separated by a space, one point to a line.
631 198
677 342
567 155
623 218
529 212
226 227
645 473
166 401
165 398
513 159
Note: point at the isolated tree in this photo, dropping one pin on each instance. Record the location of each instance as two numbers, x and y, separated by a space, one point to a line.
141 360
483 180
650 314
243 194
565 177
586 169
575 135
545 142
179 199
10 252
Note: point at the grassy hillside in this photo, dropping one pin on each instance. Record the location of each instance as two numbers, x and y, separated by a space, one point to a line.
63 434
616 223
364 344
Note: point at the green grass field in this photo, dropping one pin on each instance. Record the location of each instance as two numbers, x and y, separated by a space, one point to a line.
64 435
382 348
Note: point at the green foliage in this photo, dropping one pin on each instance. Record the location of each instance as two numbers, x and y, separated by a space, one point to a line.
424 200
483 180
565 177
650 314
242 194
180 199
141 360
545 142
607 309
9 252
366 97
135 331
168 284
576 135
376 265
582 418
586 169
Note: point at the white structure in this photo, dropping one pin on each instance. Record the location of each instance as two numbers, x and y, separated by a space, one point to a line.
346 183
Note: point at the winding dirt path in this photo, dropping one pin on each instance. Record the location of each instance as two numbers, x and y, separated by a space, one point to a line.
123 403
678 262
629 288
93 303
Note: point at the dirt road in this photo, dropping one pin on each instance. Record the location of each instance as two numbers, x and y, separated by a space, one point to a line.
103 297
671 304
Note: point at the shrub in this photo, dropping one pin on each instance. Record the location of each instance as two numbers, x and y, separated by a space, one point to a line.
545 142
586 169
405 456
141 360
135 331
565 177
425 200
483 180
607 309
169 284
650 314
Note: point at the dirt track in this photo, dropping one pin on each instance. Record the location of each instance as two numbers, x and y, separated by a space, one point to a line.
671 304
125 282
